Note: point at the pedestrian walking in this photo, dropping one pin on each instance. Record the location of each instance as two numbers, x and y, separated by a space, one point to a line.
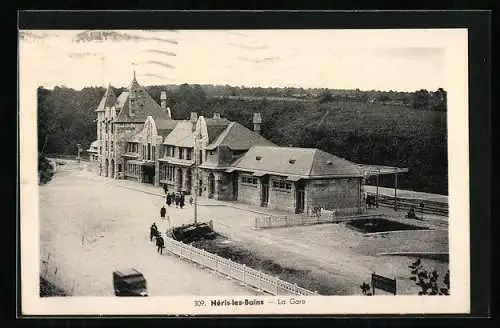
163 211
160 244
190 200
169 199
177 199
165 188
181 201
153 231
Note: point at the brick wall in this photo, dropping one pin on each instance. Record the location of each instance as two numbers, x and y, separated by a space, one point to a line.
333 193
248 193
281 198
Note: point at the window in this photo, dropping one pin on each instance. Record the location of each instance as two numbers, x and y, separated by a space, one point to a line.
106 145
112 127
112 145
201 157
282 185
170 173
248 180
153 151
188 154
181 153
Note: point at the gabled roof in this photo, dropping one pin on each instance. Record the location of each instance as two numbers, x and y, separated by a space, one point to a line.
143 106
165 126
239 137
215 126
181 136
107 100
290 161
121 100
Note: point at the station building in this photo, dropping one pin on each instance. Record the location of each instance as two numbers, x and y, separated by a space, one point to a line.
137 139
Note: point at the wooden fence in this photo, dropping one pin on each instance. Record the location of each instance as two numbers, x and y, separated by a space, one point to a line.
240 272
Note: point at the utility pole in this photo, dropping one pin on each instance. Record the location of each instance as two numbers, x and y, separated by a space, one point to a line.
196 181
79 151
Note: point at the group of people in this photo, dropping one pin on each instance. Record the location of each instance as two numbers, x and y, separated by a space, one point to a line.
155 233
176 198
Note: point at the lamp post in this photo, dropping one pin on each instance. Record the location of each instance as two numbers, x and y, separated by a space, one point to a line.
195 148
79 151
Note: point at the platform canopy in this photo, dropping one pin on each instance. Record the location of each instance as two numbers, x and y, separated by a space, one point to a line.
376 170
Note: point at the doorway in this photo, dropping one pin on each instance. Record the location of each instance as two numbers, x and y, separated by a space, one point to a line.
299 196
235 186
211 185
264 196
148 174
180 177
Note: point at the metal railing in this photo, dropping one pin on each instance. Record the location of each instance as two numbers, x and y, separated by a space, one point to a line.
240 272
430 207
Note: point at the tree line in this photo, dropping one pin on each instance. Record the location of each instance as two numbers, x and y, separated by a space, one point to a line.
380 132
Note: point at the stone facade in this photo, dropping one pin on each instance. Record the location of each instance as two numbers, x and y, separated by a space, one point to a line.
341 193
134 146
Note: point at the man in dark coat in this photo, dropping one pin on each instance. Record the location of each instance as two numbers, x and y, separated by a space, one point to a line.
181 201
169 199
160 243
165 188
153 231
163 211
177 199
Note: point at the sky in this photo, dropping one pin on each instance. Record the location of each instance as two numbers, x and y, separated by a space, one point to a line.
399 60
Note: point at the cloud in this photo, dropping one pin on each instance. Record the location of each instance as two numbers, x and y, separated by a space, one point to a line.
84 54
259 60
248 47
166 53
156 62
156 76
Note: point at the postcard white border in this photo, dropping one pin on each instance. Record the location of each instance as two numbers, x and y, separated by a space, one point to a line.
458 155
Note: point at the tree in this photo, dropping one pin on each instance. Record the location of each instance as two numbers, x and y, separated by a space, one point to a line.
421 99
428 280
365 289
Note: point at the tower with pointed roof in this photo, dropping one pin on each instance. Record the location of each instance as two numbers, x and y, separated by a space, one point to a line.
120 118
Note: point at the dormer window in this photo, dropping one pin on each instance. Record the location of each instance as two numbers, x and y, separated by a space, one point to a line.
258 158
291 161
329 163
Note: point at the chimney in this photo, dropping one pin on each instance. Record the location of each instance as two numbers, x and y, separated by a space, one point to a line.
163 100
194 117
257 120
216 115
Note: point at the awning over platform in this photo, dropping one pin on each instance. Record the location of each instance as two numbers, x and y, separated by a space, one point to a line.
373 170
293 178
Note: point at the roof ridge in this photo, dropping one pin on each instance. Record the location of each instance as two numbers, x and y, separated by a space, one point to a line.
315 152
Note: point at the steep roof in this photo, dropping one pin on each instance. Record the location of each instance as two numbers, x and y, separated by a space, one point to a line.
290 161
121 100
237 136
215 126
143 106
181 135
165 126
107 100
